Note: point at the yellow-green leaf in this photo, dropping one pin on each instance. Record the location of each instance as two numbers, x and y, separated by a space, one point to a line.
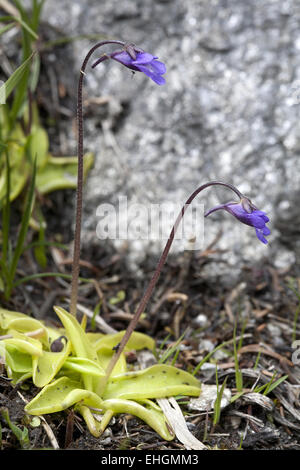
37 146
154 418
104 356
11 320
7 316
158 381
16 360
84 366
46 366
77 336
19 171
61 173
59 395
137 341
80 343
24 343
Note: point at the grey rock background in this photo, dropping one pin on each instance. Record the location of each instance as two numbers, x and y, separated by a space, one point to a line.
229 111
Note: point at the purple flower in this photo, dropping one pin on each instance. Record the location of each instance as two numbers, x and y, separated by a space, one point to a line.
248 214
138 60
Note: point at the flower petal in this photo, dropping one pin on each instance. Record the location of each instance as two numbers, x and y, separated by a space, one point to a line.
143 58
266 231
144 62
124 58
262 215
260 236
153 75
256 220
158 67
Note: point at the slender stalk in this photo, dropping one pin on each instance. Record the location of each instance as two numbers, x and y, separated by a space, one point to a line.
78 216
161 262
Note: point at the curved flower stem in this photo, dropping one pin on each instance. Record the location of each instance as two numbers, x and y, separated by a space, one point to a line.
78 216
156 274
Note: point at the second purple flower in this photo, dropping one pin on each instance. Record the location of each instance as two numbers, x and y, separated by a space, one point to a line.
248 214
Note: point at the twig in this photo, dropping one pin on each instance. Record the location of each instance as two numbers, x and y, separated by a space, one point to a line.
102 325
9 8
31 334
176 419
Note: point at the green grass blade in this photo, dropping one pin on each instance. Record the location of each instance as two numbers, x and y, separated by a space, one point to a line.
6 28
217 405
236 396
242 333
10 84
27 27
66 40
21 9
6 214
5 18
257 360
40 249
95 313
36 13
4 271
170 351
21 92
260 388
35 73
173 362
272 385
45 244
211 353
19 20
21 435
238 373
31 277
24 228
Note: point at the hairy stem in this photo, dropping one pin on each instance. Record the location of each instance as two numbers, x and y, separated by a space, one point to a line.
161 262
78 216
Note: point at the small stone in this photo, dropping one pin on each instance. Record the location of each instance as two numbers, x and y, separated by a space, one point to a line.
200 320
207 398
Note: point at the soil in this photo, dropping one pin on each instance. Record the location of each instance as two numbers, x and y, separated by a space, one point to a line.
261 304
